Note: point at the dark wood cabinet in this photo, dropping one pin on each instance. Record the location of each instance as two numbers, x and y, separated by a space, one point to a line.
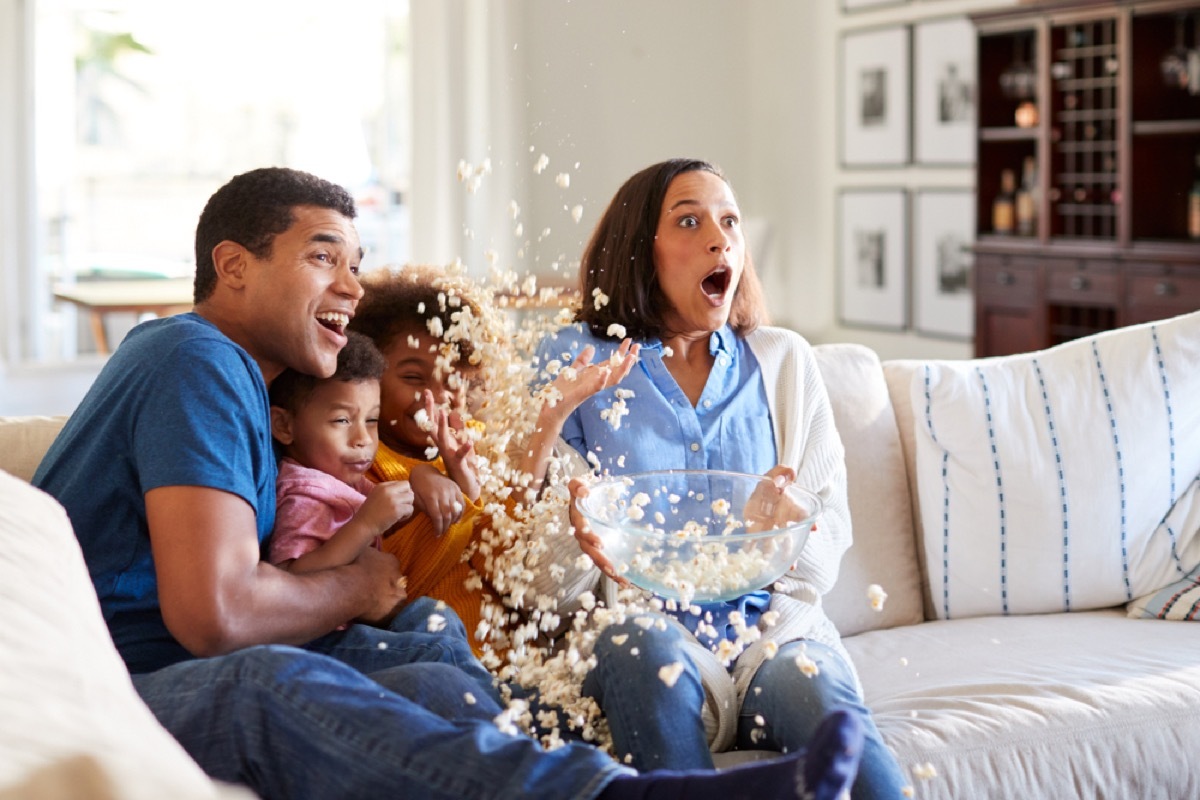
1102 99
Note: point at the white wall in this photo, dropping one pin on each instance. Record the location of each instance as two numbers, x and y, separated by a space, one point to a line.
620 84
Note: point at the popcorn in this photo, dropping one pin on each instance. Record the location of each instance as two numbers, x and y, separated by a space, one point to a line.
469 698
421 417
876 595
720 507
577 213
563 180
542 162
436 623
924 772
616 331
670 673
770 650
807 665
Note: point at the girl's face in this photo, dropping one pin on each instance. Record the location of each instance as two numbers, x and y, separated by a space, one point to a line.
411 367
336 431
699 252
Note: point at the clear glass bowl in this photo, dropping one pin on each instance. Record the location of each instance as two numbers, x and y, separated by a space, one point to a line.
700 534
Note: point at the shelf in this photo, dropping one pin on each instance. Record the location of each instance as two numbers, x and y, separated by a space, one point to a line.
1012 134
1167 127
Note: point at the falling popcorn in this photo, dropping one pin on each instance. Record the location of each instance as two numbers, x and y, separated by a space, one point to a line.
577 213
616 330
670 673
876 595
908 791
470 698
436 623
720 507
770 650
563 180
542 162
924 772
620 638
807 665
599 298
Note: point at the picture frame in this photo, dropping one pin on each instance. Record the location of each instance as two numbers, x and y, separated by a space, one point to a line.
944 92
875 97
850 6
943 263
873 258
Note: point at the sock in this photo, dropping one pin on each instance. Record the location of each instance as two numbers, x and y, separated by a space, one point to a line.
833 753
821 772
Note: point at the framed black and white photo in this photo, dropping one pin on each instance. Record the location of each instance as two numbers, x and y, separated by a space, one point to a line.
944 92
943 228
874 91
862 5
873 258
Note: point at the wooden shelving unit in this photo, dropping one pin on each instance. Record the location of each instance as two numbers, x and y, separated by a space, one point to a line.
1116 150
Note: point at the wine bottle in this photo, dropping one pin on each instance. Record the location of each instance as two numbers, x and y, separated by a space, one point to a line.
1003 207
1193 219
1027 199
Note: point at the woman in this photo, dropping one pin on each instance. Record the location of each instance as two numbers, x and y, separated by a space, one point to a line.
667 267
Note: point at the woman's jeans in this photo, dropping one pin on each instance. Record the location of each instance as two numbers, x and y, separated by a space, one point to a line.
661 726
364 712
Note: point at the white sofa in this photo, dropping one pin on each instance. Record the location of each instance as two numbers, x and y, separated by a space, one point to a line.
1030 470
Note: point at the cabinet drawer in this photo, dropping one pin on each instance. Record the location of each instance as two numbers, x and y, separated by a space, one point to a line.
1083 283
1004 281
1172 293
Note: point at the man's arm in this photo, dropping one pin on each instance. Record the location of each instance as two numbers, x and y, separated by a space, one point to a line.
217 595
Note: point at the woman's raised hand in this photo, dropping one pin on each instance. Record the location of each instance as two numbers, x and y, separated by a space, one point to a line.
583 379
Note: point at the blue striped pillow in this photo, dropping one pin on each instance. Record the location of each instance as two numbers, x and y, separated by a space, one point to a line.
1064 479
1179 600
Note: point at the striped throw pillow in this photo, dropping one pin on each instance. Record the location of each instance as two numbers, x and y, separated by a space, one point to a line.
1061 480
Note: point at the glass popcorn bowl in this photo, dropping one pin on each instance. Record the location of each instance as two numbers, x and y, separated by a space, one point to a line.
700 535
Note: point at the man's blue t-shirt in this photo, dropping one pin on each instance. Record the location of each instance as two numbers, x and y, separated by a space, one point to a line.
177 404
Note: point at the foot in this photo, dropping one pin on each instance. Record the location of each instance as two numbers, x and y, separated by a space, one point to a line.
831 761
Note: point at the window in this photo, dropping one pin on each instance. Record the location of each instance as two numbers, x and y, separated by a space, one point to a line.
142 110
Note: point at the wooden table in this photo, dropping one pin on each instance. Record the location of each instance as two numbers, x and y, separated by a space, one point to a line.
159 296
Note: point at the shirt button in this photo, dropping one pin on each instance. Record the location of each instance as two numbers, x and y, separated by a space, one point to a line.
708 403
723 361
695 447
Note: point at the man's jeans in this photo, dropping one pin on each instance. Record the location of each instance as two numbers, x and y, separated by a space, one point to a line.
363 712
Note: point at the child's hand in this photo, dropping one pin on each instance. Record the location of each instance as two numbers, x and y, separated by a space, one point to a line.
456 448
437 496
387 504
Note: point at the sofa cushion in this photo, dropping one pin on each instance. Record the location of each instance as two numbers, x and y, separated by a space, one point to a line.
1044 478
884 549
65 692
23 442
1091 704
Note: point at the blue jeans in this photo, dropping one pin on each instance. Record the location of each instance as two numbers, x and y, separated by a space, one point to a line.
661 726
297 723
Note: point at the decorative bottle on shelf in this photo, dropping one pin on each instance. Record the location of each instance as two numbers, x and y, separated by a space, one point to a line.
1004 206
1027 199
1193 219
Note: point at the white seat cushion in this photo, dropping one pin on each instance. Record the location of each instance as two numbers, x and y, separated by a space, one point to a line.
1089 704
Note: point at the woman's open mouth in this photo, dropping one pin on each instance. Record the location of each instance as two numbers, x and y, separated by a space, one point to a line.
716 283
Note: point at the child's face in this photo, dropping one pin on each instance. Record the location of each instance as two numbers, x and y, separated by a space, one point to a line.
410 371
336 431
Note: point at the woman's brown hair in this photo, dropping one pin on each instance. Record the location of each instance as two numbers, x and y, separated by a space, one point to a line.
619 261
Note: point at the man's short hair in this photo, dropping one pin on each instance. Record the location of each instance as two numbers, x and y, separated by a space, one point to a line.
252 209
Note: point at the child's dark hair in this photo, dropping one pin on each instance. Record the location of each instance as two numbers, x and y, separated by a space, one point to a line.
401 303
359 360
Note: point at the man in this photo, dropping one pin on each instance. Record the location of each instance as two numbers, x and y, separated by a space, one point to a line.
168 475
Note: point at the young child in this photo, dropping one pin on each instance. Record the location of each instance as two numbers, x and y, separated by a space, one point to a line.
327 511
412 320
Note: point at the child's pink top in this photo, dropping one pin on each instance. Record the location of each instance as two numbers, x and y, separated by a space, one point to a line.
310 506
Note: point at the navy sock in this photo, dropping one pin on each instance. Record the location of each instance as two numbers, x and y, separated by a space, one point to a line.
821 772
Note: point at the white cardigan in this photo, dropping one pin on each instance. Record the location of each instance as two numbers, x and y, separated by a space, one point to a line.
806 440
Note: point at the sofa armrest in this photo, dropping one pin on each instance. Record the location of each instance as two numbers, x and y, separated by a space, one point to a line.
23 442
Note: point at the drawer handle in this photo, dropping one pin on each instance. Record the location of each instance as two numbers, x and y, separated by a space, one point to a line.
1005 278
1164 289
1079 283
